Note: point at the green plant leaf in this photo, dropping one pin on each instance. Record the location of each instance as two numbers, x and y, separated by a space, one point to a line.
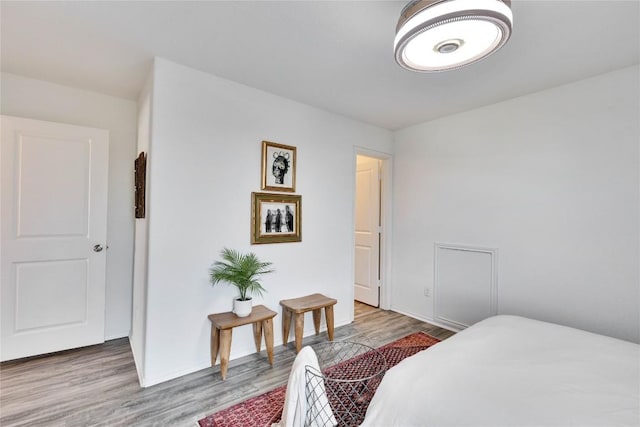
240 270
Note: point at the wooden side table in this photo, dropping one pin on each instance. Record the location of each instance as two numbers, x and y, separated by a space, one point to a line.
297 307
222 325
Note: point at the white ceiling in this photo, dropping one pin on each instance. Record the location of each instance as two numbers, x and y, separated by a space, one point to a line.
335 55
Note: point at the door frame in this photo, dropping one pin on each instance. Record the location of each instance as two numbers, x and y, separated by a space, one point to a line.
386 240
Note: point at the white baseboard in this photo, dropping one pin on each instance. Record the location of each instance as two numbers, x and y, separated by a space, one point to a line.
116 337
427 320
240 351
138 364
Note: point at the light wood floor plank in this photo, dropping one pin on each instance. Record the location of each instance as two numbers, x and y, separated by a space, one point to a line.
98 385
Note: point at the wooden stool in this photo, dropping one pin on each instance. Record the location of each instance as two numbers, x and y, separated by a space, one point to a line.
299 306
222 325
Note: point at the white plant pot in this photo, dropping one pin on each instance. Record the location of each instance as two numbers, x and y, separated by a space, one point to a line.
242 308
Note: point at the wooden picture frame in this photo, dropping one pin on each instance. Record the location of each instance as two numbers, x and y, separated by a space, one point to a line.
278 167
140 178
267 226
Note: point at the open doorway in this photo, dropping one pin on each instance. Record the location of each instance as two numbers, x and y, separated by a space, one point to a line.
368 230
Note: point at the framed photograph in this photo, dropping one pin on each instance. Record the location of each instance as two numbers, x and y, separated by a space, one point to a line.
278 167
276 218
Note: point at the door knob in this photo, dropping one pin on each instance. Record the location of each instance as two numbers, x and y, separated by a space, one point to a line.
97 248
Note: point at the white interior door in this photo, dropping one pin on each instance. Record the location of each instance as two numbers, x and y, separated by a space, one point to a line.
53 236
367 233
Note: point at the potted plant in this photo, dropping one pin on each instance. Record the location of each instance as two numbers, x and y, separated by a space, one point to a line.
243 272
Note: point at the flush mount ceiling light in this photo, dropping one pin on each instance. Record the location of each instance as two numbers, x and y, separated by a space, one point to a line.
440 35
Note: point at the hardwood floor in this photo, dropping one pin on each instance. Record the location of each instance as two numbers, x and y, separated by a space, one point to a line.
98 385
361 309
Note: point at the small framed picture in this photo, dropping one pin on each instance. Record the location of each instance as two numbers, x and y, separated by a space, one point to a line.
278 167
276 218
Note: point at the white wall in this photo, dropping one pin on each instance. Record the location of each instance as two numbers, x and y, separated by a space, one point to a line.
551 180
137 338
204 164
41 100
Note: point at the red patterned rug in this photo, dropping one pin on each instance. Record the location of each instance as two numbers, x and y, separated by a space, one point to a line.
263 410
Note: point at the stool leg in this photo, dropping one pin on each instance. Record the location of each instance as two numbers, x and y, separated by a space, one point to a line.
215 344
257 335
328 313
267 327
299 330
225 350
316 319
286 324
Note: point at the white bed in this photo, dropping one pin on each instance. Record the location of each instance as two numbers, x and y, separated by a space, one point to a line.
513 371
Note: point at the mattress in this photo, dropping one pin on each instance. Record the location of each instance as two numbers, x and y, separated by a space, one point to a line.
513 371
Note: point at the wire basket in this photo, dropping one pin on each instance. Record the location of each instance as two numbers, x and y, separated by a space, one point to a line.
350 374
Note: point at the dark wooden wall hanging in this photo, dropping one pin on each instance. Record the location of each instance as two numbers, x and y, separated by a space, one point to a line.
140 169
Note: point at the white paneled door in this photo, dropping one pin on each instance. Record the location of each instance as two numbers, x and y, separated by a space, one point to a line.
53 232
367 233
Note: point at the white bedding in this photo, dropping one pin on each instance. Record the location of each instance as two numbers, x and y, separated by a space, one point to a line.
513 371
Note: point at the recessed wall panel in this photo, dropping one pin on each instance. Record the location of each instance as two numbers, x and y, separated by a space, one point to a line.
363 266
53 187
363 198
50 294
465 284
